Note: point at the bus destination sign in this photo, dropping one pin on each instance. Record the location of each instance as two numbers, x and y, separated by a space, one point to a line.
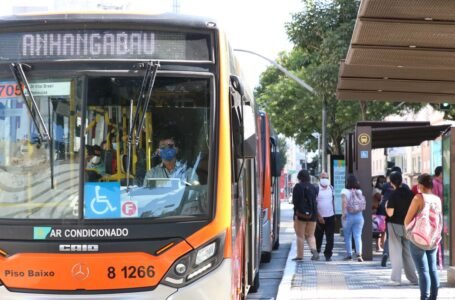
90 44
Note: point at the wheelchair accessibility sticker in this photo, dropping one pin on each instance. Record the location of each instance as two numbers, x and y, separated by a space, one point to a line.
102 200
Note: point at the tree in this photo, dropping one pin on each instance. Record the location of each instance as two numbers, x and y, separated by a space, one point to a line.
282 148
321 34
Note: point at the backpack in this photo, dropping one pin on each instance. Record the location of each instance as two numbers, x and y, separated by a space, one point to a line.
424 230
356 201
304 209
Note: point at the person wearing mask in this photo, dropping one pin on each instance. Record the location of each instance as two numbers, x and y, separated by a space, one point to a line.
425 260
305 214
94 161
326 216
170 167
353 219
399 251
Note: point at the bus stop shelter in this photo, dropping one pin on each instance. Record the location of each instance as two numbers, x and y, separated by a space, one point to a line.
369 135
403 51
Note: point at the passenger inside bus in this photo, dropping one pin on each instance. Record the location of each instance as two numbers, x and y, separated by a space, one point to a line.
96 167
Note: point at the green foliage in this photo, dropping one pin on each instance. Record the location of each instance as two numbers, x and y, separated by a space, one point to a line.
321 34
282 149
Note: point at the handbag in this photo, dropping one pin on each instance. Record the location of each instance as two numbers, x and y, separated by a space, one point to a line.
378 222
303 216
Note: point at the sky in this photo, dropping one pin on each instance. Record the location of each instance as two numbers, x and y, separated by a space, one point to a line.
254 25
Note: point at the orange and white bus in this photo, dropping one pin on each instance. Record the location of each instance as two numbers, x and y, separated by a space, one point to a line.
269 183
127 160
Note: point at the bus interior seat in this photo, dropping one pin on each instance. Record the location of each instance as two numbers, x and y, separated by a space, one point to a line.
110 161
141 167
92 176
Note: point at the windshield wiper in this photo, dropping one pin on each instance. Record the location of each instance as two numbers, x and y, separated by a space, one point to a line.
19 74
21 80
143 101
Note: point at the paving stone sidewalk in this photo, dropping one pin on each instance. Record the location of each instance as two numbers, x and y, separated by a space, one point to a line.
340 279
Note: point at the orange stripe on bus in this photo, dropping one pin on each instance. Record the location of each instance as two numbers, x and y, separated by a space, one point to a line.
158 252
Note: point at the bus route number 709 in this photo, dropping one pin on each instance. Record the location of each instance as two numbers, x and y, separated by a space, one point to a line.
9 90
131 272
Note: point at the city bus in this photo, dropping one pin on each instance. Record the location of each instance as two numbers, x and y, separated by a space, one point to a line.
269 183
128 165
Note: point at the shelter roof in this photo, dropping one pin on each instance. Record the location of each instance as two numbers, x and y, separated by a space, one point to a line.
401 51
402 134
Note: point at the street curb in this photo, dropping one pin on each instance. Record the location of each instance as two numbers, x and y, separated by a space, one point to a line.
284 289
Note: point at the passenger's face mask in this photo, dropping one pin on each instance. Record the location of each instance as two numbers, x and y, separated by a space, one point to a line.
324 181
168 153
95 160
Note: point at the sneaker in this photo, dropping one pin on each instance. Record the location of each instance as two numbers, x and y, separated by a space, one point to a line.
297 259
347 258
395 283
315 255
384 261
328 258
359 258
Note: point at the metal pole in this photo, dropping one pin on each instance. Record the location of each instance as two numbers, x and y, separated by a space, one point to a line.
324 134
282 69
319 153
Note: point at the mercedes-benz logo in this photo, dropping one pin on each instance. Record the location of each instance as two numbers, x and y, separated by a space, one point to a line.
80 271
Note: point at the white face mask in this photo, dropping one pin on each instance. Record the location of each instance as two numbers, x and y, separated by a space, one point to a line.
95 160
324 181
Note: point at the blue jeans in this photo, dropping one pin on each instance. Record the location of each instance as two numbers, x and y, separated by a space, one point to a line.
425 262
353 227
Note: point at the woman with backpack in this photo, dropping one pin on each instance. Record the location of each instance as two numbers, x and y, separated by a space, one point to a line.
353 203
305 214
423 227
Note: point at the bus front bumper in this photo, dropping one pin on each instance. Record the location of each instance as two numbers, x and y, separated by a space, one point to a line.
214 285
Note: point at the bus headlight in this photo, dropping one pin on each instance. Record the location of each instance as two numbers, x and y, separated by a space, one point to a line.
205 253
196 263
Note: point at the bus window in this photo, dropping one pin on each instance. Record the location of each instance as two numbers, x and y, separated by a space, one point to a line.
168 171
40 178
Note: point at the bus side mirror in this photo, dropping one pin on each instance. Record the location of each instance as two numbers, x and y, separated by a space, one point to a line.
275 164
237 85
275 157
243 120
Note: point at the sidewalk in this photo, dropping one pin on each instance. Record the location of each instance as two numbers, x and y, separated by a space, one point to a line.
346 280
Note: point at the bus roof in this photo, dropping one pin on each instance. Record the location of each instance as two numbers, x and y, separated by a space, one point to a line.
164 19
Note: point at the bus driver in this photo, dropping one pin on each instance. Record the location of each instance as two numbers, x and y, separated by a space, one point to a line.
170 167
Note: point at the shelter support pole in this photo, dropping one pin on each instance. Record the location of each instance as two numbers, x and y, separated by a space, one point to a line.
451 204
362 171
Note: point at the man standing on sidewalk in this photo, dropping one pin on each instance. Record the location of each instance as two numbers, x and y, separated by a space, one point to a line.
326 216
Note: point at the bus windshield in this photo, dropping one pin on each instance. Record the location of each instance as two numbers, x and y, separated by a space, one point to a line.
81 172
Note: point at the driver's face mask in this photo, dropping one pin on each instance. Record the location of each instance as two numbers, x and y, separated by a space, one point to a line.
168 153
